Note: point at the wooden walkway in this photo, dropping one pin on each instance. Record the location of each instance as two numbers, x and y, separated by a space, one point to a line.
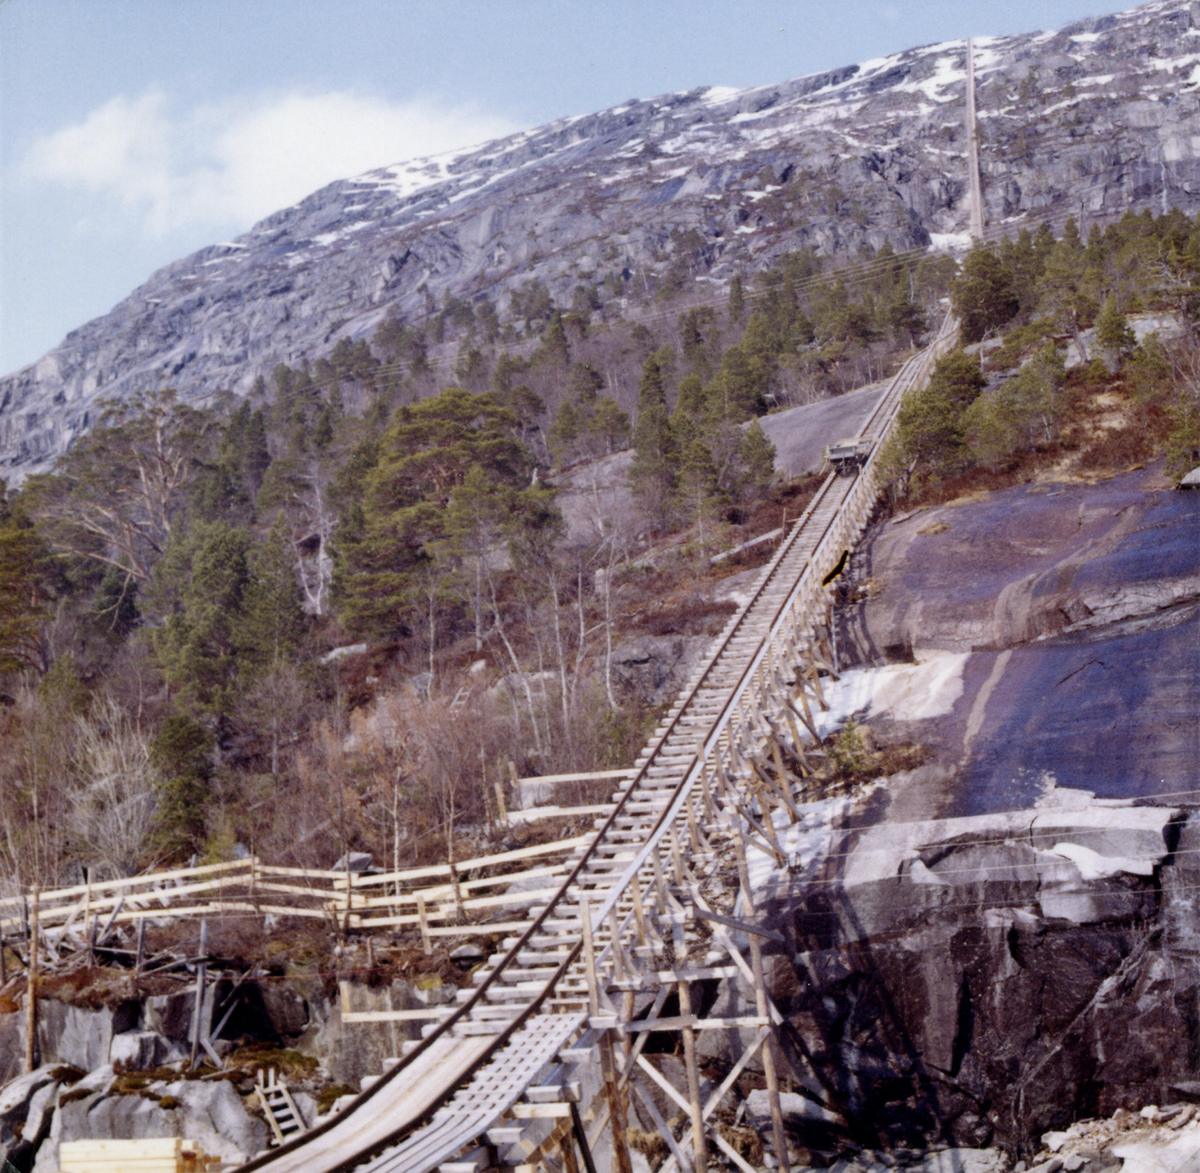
632 913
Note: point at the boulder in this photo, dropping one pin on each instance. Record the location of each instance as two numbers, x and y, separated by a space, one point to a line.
170 1015
141 1050
210 1113
11 1045
285 1009
78 1036
656 667
22 1108
347 1053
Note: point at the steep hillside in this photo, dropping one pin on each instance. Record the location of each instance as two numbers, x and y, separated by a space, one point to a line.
678 192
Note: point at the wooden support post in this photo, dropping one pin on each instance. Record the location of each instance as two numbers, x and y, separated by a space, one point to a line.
677 857
663 1127
501 805
617 1104
797 740
423 921
805 716
707 793
693 1079
627 1005
778 786
639 913
767 831
660 895
693 830
585 1150
566 1146
31 987
140 958
815 677
779 1137
781 773
722 781
632 1052
458 896
87 909
618 956
589 957
198 1008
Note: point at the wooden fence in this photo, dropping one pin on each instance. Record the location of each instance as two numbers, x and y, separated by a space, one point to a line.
437 900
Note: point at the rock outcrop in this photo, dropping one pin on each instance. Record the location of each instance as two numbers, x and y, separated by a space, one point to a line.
1094 120
980 949
980 981
1056 629
120 1071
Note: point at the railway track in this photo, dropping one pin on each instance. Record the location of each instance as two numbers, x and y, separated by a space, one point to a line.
532 999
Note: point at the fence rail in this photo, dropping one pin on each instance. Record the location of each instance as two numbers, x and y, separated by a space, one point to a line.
439 899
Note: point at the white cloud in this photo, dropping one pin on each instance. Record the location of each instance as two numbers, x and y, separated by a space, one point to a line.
228 165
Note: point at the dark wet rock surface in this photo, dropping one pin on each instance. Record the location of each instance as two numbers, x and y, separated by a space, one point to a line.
1080 608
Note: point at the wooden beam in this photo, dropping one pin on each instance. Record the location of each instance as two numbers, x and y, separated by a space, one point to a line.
779 1138
687 1022
661 1124
699 1149
31 988
740 925
522 1111
424 1014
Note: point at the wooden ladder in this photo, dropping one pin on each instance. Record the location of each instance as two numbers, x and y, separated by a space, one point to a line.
282 1114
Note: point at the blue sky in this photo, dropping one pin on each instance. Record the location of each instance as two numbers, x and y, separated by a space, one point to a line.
133 132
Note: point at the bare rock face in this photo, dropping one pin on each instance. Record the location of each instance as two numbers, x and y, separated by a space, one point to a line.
1098 118
26 1105
1069 616
656 666
211 1114
1003 940
1027 563
980 981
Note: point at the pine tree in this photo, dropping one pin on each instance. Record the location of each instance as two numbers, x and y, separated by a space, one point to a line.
384 552
1114 337
652 475
756 459
27 581
984 295
737 298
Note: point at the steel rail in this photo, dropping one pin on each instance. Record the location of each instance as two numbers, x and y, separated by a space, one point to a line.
761 620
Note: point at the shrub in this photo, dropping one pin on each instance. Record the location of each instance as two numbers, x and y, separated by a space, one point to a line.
848 755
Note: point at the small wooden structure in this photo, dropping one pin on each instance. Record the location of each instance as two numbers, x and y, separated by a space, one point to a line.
282 1114
168 1154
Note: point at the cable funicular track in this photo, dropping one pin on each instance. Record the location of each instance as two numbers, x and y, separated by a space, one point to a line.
531 1000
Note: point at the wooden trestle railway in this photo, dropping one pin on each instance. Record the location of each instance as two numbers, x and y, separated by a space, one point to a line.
500 1080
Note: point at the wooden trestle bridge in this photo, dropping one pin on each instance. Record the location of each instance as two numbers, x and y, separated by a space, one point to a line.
651 903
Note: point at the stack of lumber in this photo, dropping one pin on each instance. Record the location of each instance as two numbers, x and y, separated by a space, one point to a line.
168 1154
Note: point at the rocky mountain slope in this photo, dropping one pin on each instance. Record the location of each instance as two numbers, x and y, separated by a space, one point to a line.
689 188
